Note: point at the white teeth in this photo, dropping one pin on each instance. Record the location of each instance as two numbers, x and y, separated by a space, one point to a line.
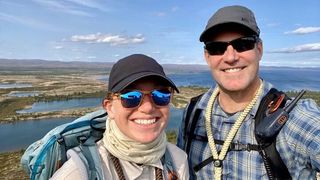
145 121
233 70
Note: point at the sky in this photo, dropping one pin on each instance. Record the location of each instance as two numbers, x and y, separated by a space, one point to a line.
167 30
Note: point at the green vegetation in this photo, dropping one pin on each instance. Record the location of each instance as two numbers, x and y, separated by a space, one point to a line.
10 166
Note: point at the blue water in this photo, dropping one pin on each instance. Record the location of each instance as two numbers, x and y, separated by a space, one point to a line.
20 134
282 78
23 94
14 85
63 105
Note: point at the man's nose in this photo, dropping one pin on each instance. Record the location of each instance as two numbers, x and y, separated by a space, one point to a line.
230 55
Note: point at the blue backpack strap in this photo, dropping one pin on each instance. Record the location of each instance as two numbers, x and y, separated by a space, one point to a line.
169 165
92 161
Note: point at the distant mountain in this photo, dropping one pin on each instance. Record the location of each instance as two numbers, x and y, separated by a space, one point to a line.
31 64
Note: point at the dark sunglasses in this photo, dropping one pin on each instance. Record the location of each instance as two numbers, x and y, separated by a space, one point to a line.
133 98
240 45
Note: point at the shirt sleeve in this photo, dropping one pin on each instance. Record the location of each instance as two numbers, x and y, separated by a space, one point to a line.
72 169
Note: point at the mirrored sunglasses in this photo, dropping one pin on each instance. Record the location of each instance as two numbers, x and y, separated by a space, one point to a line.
133 98
240 45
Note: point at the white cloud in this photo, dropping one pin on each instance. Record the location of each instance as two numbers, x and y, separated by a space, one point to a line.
161 14
113 40
90 4
273 24
300 48
58 47
62 6
26 21
91 57
304 30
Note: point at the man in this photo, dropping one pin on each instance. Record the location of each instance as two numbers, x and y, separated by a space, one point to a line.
223 143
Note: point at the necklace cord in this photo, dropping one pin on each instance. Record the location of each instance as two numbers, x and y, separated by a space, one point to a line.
218 158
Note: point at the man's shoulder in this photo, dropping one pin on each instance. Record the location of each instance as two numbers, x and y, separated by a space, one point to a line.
307 107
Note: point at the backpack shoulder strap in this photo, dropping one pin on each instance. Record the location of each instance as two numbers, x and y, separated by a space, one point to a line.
272 160
167 161
191 119
90 157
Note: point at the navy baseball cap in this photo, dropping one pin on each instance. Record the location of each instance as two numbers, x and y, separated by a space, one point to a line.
134 67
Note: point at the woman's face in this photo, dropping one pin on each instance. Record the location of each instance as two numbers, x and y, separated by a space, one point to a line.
143 123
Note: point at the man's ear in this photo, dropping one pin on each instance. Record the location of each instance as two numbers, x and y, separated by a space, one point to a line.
206 57
260 49
108 106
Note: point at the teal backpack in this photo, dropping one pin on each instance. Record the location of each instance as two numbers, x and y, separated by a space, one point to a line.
45 156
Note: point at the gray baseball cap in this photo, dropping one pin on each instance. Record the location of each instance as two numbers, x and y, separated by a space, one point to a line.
238 15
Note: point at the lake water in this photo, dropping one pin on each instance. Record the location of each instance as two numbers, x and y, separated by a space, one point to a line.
14 85
23 94
19 135
282 78
62 105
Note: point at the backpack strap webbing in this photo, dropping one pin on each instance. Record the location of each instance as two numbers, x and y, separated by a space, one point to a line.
189 128
168 163
276 169
91 158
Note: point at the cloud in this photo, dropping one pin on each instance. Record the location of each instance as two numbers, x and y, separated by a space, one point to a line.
161 14
91 57
273 24
304 30
26 21
89 4
300 48
58 47
62 6
113 40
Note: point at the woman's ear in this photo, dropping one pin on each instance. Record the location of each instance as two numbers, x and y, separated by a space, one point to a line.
108 106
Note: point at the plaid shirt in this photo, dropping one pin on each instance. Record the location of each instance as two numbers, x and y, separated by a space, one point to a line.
298 142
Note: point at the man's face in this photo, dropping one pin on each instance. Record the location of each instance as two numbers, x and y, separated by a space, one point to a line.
233 70
143 123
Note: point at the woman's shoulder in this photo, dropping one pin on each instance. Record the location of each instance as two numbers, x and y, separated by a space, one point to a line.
176 152
73 168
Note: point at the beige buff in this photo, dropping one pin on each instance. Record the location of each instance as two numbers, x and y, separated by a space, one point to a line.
127 149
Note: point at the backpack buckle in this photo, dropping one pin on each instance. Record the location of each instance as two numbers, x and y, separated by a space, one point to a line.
241 147
82 139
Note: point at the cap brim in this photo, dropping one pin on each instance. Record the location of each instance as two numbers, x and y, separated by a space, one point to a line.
218 27
126 82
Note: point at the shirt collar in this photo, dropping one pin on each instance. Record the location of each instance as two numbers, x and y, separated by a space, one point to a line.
205 98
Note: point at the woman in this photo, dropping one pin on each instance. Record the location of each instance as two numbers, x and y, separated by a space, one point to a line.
134 143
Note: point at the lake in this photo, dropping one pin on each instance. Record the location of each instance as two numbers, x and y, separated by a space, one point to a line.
285 79
14 85
20 134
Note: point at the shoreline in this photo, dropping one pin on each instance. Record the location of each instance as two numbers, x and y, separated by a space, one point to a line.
179 101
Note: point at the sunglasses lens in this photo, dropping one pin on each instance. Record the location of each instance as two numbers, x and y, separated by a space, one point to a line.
243 44
240 45
216 48
161 97
131 99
